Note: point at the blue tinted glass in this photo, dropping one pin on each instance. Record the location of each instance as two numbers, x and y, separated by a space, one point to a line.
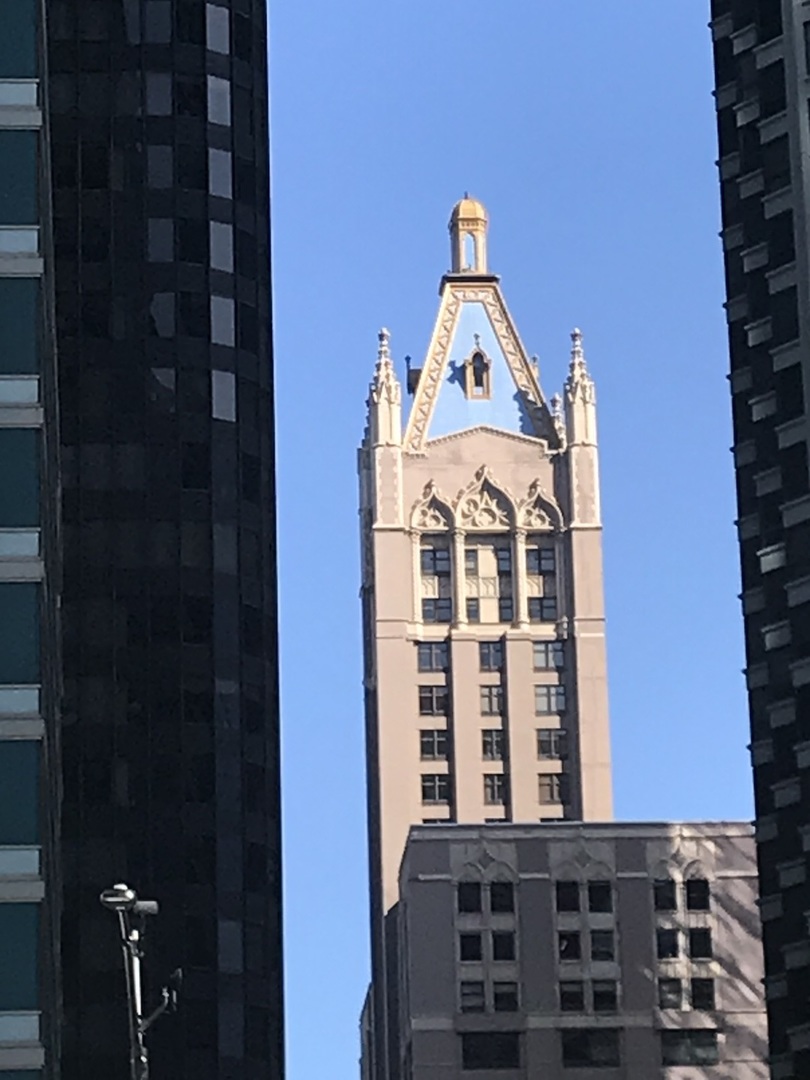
19 957
19 477
19 793
18 60
19 633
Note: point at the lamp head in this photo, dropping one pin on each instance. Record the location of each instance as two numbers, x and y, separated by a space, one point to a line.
119 898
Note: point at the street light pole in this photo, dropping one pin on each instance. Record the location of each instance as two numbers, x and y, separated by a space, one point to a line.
124 901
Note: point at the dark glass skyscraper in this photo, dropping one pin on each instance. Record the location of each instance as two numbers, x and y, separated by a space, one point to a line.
762 66
141 127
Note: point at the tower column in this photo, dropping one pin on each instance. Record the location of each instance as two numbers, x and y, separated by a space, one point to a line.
459 578
521 612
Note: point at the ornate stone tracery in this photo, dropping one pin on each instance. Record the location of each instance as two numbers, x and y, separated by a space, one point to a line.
484 504
539 511
431 513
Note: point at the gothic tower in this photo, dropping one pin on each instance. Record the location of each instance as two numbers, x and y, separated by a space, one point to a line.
484 628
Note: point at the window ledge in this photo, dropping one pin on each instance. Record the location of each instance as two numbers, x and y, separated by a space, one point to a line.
791 432
776 202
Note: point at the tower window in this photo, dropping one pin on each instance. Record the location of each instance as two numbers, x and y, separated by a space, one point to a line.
435 788
469 251
494 789
542 609
432 655
433 700
477 369
491 700
540 560
437 611
435 561
492 744
433 745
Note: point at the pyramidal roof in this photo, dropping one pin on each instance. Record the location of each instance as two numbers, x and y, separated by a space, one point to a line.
476 372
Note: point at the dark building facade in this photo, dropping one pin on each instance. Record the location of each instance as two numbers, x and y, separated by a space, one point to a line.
30 677
762 64
147 142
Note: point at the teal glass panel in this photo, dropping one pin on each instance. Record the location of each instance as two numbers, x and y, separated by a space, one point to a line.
19 326
19 633
20 1074
19 957
18 52
19 478
18 178
19 792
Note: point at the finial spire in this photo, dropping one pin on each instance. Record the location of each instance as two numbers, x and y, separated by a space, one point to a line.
577 353
384 348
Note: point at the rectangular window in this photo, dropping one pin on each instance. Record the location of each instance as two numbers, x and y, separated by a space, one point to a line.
217 29
549 700
670 994
665 895
19 478
435 788
19 326
542 609
19 979
471 996
700 943
490 1050
567 895
220 174
223 321
600 896
473 610
471 562
701 994
501 897
569 945
438 611
605 995
697 895
490 655
433 745
505 996
468 895
491 700
503 945
19 633
505 609
551 744
597 1048
550 788
433 700
503 559
548 655
158 94
432 656
18 178
18 44
666 944
572 995
19 792
697 1047
219 101
492 744
540 560
223 396
469 947
603 945
435 562
494 789
220 242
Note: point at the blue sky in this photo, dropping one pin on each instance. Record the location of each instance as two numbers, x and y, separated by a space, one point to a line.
588 131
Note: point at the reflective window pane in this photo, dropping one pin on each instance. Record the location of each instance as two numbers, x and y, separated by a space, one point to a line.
18 42
19 313
19 634
19 792
19 477
221 244
160 169
158 94
223 395
220 173
19 932
218 30
223 328
18 177
219 101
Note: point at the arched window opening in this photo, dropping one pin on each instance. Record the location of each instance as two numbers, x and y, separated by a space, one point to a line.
469 252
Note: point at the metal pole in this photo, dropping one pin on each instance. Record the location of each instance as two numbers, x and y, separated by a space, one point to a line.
123 922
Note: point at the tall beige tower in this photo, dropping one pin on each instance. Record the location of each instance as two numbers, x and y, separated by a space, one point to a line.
484 626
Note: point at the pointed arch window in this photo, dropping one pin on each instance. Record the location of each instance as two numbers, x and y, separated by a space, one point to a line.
477 375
